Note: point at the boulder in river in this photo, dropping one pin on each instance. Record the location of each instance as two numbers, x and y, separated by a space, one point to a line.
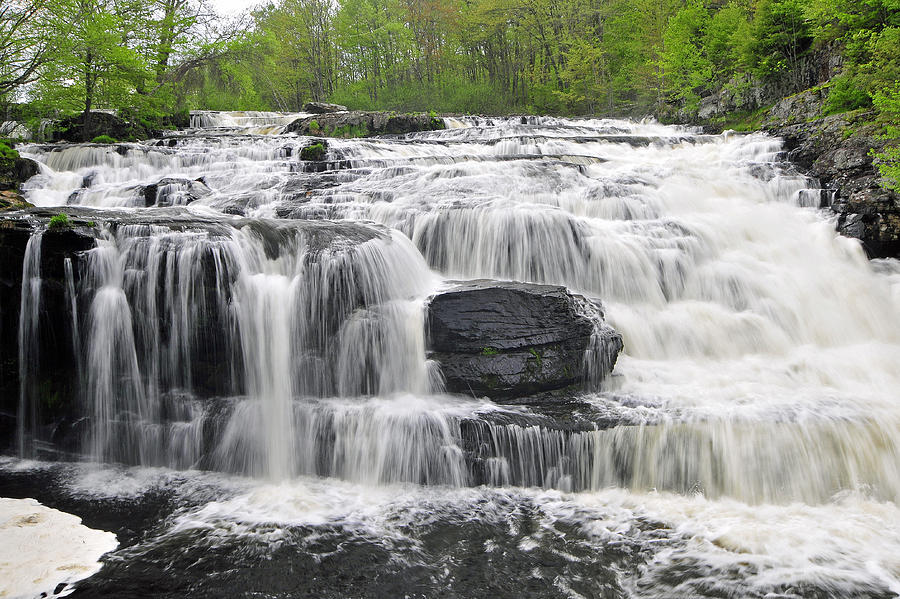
505 340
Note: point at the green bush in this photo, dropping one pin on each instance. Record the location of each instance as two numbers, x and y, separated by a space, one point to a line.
59 221
845 95
104 139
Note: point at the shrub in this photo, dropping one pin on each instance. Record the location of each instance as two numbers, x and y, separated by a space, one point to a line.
104 139
845 95
59 221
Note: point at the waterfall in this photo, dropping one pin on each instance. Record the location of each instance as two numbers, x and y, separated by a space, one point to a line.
245 312
29 344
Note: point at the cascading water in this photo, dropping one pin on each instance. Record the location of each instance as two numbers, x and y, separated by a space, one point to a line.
274 327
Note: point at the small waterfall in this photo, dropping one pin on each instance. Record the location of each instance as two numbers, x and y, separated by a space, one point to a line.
29 345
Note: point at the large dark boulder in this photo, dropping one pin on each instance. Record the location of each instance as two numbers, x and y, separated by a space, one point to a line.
364 124
506 340
86 127
15 171
323 108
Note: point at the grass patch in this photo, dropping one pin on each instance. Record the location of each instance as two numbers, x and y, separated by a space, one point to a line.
104 139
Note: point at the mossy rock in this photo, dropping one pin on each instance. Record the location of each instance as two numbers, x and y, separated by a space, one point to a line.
13 200
315 152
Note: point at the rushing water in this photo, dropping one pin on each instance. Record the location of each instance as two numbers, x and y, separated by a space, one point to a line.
277 332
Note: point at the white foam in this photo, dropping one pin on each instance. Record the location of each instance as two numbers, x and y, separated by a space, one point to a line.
42 548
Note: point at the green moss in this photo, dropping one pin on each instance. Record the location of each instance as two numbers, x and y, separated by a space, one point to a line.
349 131
59 221
745 121
314 126
104 139
315 151
489 351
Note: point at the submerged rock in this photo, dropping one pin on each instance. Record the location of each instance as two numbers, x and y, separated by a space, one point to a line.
174 191
364 124
503 339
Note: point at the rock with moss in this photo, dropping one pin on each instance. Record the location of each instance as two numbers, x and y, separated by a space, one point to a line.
14 170
85 127
364 124
315 151
508 340
13 200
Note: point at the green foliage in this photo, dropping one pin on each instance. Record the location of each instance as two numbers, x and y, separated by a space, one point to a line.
314 126
8 154
315 151
59 221
104 139
489 351
844 95
887 101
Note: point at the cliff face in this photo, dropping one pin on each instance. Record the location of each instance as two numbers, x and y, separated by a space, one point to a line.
837 150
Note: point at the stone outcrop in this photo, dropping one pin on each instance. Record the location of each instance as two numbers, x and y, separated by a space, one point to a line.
323 108
837 150
86 127
506 340
364 124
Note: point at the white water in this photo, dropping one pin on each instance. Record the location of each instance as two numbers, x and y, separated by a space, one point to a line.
760 348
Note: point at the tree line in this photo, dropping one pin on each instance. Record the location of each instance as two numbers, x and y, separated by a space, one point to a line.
154 57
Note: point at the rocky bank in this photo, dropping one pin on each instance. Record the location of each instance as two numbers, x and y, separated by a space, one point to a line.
837 150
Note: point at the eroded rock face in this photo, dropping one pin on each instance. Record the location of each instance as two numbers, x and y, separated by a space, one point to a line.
837 150
364 124
503 340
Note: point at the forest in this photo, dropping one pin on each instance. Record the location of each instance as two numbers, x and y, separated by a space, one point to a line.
155 59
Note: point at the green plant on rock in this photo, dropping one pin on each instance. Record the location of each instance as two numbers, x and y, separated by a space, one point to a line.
315 152
314 126
537 356
489 351
104 139
60 221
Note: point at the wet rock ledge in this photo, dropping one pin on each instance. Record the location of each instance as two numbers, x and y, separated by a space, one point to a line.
364 124
508 340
